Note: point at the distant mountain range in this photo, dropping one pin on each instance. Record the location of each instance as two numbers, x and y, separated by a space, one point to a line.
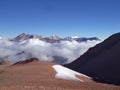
53 49
80 39
52 39
101 62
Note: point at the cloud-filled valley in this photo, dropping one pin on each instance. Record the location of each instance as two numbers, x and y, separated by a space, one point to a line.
61 52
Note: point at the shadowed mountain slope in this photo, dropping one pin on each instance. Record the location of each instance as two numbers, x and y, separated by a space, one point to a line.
101 62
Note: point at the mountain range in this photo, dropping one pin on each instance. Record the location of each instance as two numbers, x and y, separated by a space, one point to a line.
53 49
52 39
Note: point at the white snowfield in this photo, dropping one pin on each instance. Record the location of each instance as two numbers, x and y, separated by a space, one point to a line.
65 73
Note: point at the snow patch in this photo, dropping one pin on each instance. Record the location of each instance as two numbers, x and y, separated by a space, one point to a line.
65 73
74 37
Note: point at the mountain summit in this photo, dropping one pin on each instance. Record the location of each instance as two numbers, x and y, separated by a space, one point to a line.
24 36
101 62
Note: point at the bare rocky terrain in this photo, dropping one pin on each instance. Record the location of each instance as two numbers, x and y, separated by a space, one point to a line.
36 75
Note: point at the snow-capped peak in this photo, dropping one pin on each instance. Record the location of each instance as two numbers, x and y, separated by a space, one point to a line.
55 37
74 37
71 37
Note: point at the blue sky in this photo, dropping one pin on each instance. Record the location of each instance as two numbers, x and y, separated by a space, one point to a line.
85 18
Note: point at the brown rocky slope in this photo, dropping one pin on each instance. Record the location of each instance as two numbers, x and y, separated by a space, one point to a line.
35 75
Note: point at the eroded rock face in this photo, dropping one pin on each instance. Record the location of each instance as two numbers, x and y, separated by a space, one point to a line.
101 62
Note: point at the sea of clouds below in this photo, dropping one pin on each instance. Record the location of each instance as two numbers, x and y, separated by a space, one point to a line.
44 51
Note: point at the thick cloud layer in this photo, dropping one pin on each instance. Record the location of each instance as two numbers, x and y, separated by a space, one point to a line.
62 52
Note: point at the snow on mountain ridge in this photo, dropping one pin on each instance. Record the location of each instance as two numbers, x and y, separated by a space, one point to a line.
65 73
55 37
74 37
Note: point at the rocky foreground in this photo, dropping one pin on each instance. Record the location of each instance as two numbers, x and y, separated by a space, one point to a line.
35 75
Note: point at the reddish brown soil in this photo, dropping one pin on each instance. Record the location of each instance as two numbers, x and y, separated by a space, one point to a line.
41 76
